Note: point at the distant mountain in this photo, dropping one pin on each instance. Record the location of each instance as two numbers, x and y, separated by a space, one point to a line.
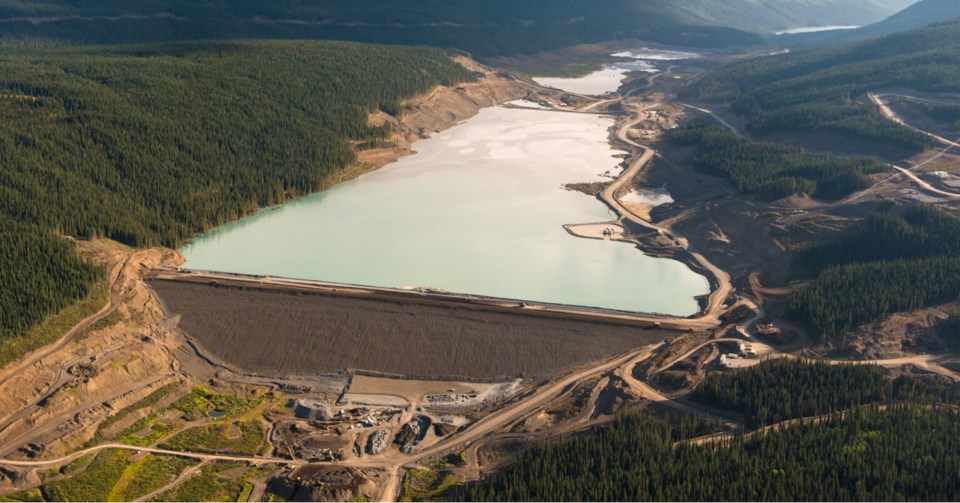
482 27
923 13
774 15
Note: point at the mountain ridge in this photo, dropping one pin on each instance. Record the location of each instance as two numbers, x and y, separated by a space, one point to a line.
756 16
491 28
918 15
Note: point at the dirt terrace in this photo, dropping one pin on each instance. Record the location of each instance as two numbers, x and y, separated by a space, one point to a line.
280 331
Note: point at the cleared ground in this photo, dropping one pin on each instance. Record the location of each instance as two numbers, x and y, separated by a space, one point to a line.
279 331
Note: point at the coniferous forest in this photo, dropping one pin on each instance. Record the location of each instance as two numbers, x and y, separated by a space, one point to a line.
946 113
899 453
845 297
778 390
781 389
862 436
771 171
40 272
489 28
855 281
818 90
149 145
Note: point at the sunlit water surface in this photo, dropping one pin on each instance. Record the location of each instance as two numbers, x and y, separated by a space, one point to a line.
479 210
610 77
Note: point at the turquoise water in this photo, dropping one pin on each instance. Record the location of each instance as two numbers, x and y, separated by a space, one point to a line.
479 210
609 78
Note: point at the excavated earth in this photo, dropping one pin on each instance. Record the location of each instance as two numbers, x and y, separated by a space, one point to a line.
278 332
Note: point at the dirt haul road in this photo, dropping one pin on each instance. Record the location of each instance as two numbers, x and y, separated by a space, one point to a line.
395 461
724 288
497 420
887 112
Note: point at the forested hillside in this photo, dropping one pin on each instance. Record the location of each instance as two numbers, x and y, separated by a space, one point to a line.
781 389
906 453
771 171
815 91
884 264
40 272
922 13
150 145
756 16
919 232
484 28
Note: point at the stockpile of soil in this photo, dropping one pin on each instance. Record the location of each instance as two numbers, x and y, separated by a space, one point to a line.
322 483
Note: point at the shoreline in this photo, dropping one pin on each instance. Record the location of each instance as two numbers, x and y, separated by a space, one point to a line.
426 296
445 107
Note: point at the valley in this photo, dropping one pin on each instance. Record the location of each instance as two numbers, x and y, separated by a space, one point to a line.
486 284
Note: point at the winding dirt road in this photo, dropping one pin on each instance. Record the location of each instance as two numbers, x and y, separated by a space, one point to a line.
724 287
254 460
40 354
621 365
719 119
887 112
499 419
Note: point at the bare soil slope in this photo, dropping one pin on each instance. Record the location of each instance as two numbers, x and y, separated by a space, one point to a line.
284 333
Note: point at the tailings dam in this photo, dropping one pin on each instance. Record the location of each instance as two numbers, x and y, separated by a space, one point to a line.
260 327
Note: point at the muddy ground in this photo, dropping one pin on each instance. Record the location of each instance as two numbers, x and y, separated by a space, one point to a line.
279 333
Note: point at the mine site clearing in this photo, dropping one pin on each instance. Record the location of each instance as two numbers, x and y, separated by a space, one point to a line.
340 412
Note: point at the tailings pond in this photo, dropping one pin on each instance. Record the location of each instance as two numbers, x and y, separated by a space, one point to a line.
609 78
479 209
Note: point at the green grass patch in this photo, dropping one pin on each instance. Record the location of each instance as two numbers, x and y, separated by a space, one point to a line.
201 402
55 326
92 484
147 431
24 496
76 465
245 492
104 323
147 475
427 485
454 459
244 437
210 484
145 402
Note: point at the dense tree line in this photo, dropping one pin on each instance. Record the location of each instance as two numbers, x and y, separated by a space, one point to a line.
743 14
921 231
771 171
816 91
489 28
781 389
149 145
40 272
949 331
845 297
945 113
906 453
885 263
